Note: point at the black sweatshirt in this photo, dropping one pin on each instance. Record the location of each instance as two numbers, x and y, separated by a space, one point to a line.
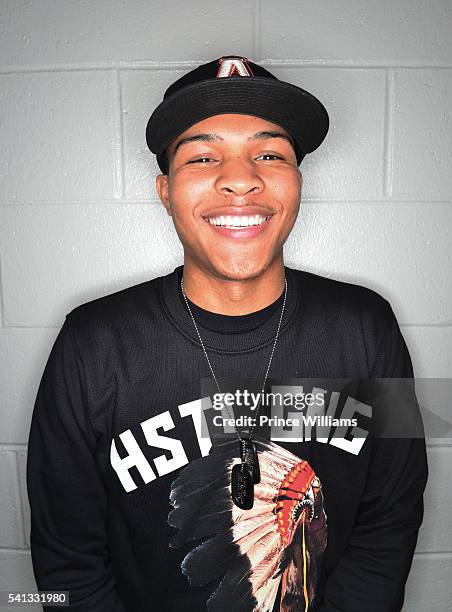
130 505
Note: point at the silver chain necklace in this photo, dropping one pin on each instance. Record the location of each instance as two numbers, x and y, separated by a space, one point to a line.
246 474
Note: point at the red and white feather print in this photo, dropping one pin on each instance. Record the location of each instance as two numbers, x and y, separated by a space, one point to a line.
281 540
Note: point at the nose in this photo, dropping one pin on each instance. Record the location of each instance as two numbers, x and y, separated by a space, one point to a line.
238 177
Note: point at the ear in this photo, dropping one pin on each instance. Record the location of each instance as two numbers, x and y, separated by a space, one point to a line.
161 184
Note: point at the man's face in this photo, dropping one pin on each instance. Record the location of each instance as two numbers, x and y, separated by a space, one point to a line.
233 191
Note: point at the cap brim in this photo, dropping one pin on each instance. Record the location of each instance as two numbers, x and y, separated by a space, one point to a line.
300 113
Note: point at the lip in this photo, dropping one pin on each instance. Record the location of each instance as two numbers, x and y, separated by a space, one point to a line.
240 232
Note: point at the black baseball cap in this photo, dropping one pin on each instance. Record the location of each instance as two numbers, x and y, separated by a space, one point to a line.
234 84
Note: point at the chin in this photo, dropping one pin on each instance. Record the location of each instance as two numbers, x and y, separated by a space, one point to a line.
238 270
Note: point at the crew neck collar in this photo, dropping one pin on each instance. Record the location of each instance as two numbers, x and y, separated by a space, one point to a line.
230 324
218 341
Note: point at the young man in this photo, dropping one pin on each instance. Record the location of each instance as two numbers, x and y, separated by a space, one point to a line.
134 505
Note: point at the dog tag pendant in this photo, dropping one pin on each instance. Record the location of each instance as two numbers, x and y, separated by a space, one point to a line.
242 486
248 454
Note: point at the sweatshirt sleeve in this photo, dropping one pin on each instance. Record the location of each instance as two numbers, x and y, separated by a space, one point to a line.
69 544
372 573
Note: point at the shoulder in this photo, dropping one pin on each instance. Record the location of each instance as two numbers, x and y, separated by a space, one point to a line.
359 318
117 313
334 294
345 307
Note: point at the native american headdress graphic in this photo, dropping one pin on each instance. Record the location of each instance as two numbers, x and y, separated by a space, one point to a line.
281 539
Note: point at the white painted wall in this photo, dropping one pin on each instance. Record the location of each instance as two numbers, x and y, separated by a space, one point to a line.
79 217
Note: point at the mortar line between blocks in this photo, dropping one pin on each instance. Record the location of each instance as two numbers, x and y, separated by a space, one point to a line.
427 325
13 551
434 555
20 501
257 39
118 138
186 65
442 447
2 301
13 446
388 152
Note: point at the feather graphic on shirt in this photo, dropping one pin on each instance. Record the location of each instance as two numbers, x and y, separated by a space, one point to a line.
280 540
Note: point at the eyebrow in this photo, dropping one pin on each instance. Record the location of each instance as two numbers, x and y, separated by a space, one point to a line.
262 135
197 138
271 134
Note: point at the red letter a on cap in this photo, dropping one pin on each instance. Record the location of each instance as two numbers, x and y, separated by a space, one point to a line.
233 66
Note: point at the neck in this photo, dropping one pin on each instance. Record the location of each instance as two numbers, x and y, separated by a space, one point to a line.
230 296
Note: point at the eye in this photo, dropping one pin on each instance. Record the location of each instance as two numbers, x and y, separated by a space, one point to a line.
201 160
269 156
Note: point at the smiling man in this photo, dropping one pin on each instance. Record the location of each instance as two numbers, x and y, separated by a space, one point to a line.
233 190
135 503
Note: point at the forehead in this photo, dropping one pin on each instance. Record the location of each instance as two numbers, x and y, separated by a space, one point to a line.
232 125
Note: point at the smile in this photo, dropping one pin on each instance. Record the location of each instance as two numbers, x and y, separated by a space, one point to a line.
238 226
232 221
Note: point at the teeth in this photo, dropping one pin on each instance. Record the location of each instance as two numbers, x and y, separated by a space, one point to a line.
237 221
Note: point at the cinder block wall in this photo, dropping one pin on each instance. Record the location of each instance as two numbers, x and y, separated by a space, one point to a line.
79 216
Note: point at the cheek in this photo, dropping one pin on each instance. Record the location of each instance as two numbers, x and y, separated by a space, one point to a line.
188 199
185 194
287 190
